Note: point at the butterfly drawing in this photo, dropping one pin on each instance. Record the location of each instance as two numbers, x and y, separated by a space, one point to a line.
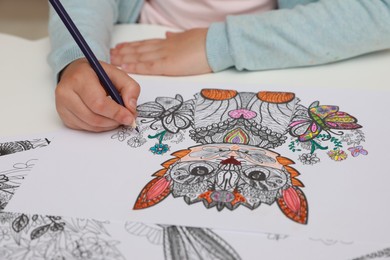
306 126
175 114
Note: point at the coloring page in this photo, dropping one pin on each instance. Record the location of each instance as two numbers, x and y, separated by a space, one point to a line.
244 158
33 236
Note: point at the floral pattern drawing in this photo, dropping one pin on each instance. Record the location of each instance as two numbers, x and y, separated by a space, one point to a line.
20 146
233 162
25 236
11 179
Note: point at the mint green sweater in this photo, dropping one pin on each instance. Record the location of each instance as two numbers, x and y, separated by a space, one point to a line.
299 33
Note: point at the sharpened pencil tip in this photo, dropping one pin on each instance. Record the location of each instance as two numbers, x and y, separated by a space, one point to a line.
134 126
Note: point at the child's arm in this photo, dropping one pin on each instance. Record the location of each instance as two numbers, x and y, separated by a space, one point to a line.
312 34
80 99
95 19
317 33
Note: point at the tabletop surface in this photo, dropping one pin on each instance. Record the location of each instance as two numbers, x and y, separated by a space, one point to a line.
27 104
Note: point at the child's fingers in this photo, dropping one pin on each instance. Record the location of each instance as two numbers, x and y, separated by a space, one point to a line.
71 120
135 43
146 47
145 68
143 57
130 52
140 53
93 98
82 102
170 34
106 108
73 102
90 102
76 115
128 87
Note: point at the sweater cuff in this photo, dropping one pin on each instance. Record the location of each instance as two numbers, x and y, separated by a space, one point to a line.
71 54
217 48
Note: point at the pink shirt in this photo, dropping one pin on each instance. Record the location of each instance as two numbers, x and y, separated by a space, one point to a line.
187 14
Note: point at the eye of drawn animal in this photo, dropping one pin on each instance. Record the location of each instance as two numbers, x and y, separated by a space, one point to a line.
264 178
200 169
227 176
256 175
192 172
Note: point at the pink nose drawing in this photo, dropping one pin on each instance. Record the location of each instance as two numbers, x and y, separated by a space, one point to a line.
247 114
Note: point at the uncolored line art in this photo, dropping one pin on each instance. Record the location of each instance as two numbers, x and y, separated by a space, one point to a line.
185 243
25 236
10 180
7 148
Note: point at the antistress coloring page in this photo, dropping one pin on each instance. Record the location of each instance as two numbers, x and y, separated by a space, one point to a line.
234 161
27 236
241 158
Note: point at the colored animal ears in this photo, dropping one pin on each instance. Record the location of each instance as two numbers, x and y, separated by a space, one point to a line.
293 204
153 193
275 97
218 94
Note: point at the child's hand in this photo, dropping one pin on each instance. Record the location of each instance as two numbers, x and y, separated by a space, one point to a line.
83 104
179 54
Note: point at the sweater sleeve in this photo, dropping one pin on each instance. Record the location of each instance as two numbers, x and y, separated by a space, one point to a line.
316 33
95 20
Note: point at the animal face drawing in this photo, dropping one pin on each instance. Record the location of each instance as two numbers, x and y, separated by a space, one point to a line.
231 163
228 175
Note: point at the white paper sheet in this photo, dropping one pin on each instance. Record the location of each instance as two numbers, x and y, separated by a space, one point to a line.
18 156
49 237
101 176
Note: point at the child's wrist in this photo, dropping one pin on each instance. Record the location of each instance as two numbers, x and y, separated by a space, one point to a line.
60 74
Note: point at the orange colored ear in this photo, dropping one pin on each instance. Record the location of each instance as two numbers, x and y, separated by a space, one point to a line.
218 94
293 204
154 192
275 97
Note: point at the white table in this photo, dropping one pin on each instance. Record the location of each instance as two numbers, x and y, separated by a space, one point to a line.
27 84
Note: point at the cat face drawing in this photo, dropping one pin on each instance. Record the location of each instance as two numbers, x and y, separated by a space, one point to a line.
233 161
232 165
228 175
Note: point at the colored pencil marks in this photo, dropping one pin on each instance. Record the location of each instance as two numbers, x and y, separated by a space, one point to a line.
226 176
20 146
320 126
223 116
135 140
185 242
234 160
